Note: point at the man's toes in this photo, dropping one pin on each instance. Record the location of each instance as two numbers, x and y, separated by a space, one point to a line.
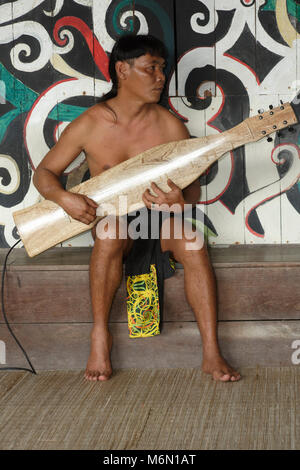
103 377
106 375
235 377
94 376
225 377
220 375
90 375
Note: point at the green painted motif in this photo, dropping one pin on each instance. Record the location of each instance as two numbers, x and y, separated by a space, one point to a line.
159 12
23 98
6 120
116 15
165 22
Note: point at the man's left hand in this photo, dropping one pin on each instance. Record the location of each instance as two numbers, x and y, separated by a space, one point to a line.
172 198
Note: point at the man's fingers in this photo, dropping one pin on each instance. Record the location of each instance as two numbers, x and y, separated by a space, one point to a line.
87 220
91 211
149 198
88 215
91 202
146 201
147 194
91 207
172 184
158 191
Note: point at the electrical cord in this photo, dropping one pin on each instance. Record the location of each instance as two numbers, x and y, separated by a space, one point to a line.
32 370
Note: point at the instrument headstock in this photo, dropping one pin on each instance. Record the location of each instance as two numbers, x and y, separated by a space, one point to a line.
295 104
267 122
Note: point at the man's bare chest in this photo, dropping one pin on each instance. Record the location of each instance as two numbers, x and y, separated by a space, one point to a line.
105 152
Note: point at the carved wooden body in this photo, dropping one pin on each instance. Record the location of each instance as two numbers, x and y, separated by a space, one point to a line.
45 224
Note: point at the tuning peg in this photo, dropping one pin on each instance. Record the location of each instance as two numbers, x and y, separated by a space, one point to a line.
291 129
269 139
260 111
281 102
271 106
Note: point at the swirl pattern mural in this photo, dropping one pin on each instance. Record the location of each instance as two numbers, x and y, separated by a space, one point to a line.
226 61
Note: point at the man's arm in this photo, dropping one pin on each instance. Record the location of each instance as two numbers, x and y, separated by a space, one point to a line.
47 175
192 192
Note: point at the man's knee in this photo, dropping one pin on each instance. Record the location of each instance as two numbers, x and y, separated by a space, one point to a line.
112 228
181 236
193 241
111 238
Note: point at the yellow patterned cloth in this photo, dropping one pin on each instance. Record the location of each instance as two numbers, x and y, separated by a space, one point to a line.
143 304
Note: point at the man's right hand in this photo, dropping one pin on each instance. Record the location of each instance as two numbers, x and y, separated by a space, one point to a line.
79 207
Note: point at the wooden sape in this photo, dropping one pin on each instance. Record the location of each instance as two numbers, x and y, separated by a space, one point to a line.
45 224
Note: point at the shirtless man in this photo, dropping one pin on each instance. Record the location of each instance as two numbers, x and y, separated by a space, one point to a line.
127 123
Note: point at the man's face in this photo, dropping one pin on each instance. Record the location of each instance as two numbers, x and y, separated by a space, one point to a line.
146 78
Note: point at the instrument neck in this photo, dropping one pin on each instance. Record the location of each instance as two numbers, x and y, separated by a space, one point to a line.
257 127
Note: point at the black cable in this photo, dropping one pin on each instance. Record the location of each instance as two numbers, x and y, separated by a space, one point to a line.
32 370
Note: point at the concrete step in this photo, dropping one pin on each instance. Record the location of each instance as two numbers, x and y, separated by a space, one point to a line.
66 346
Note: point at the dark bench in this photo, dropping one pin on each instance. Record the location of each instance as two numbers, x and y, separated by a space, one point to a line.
48 305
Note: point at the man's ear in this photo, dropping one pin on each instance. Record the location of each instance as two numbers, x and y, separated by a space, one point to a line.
122 69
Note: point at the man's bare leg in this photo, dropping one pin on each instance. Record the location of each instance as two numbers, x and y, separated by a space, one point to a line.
200 292
106 268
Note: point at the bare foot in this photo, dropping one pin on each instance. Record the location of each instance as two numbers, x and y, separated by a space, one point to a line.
99 365
219 369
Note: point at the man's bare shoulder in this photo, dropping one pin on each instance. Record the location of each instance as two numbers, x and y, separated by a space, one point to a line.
99 110
172 124
92 119
79 124
94 114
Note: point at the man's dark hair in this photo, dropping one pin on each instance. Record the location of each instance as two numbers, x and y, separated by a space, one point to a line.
127 48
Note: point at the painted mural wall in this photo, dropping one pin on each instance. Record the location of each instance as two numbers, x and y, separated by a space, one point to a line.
227 60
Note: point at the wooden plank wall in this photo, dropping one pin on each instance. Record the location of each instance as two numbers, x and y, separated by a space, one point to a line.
48 306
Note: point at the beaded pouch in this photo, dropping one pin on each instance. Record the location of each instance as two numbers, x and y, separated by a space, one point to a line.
143 304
